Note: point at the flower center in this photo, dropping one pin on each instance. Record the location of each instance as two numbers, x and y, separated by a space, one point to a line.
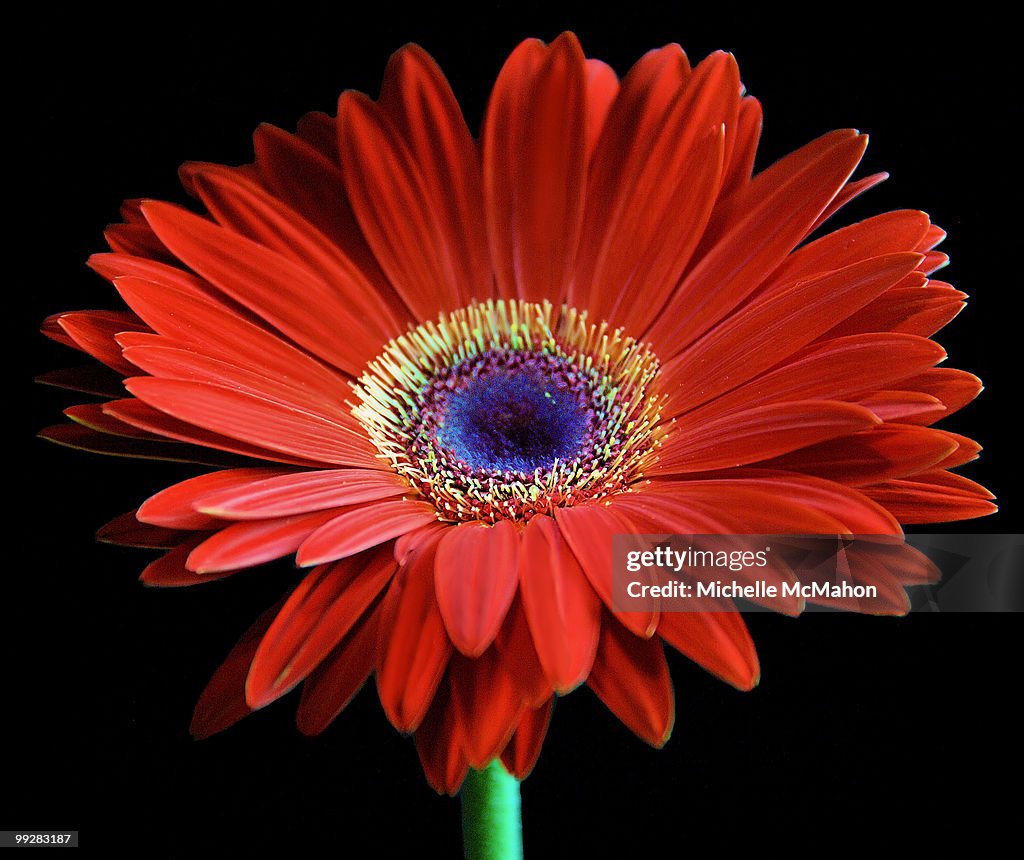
502 411
509 411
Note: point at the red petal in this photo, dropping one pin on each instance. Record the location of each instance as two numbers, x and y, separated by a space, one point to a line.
768 331
664 190
288 296
534 157
417 98
388 195
214 330
954 388
635 121
741 260
515 644
300 492
831 370
756 434
748 133
716 639
908 406
602 88
562 609
364 527
588 529
476 573
248 544
138 414
850 191
889 233
93 332
256 421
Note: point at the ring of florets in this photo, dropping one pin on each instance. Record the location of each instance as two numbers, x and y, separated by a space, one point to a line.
507 409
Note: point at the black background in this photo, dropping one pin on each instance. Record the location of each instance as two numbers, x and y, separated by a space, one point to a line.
860 727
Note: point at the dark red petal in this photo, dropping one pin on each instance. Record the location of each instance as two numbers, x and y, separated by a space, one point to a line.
487 705
313 186
246 208
93 416
523 750
414 645
93 332
335 682
84 439
92 379
562 609
933 497
439 745
884 452
169 571
222 703
515 644
314 619
126 530
631 677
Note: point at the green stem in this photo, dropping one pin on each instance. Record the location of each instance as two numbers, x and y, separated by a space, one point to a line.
492 825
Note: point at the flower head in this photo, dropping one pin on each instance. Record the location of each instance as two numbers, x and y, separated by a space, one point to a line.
441 372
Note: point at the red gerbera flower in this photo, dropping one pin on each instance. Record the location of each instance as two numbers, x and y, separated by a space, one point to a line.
441 372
